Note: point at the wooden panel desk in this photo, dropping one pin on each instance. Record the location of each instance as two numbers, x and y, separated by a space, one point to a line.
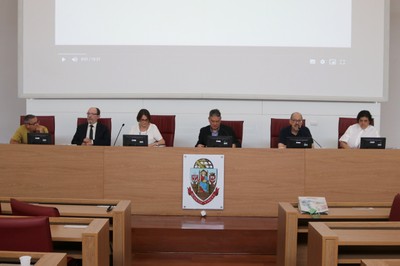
92 233
38 258
380 262
331 243
292 225
119 217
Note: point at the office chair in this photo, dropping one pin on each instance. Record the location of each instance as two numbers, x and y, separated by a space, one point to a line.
237 127
27 209
395 209
166 125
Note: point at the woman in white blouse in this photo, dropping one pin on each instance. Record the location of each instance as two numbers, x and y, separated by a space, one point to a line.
352 137
145 127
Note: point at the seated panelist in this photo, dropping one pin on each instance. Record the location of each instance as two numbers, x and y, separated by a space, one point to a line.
31 125
352 137
92 132
215 128
145 127
295 129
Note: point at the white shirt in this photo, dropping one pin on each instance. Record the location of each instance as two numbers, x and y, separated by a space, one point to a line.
354 133
94 130
152 132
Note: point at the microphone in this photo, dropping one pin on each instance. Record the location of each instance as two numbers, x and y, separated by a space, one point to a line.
119 132
319 145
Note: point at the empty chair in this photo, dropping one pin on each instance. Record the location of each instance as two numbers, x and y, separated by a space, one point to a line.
395 209
276 125
237 127
26 234
27 209
166 126
47 121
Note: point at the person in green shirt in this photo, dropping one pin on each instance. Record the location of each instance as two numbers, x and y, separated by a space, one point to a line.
31 125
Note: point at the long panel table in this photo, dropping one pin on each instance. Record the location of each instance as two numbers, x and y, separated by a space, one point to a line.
38 258
152 178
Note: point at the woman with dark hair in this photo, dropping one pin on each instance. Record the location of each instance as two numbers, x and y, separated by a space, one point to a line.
145 127
363 128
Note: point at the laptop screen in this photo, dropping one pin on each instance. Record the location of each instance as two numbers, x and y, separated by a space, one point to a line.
373 143
135 140
299 142
219 141
39 138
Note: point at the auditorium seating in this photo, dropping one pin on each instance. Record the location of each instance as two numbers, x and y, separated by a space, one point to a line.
47 121
395 209
26 234
27 209
166 125
237 127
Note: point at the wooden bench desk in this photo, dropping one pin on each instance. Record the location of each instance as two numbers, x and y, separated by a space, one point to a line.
371 262
93 233
292 225
331 243
38 258
119 217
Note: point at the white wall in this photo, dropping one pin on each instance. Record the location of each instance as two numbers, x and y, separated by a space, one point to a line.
10 106
191 114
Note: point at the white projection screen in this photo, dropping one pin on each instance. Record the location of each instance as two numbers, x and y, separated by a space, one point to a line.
204 49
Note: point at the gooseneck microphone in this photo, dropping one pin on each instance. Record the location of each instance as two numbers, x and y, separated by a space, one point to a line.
119 132
317 143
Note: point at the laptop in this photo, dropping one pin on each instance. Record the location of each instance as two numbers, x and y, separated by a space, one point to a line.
135 140
220 141
39 138
299 142
373 143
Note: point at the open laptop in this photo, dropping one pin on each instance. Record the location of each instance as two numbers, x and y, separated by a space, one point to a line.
299 142
220 141
135 140
373 143
39 138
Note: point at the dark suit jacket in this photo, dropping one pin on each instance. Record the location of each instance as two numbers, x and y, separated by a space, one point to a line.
223 131
102 137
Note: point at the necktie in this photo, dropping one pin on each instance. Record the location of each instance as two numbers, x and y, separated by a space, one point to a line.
91 132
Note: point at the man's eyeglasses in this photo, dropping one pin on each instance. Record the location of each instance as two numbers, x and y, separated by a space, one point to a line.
297 121
33 123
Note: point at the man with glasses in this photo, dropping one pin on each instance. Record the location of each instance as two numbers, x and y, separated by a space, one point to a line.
296 129
31 125
92 132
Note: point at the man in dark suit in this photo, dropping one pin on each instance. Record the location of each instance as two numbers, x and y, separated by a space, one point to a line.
92 132
216 129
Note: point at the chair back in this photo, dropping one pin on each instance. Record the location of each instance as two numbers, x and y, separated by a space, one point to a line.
27 209
47 121
276 126
237 127
105 121
395 209
166 125
26 234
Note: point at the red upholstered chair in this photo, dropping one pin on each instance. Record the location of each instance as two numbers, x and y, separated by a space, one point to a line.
166 125
395 210
26 234
27 209
47 121
344 123
237 127
276 125
104 121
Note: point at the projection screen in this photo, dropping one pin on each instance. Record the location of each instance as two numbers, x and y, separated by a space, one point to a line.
204 49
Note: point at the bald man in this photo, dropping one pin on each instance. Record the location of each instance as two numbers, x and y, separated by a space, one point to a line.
295 129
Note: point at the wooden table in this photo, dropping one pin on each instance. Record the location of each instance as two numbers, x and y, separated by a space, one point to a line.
293 226
371 262
119 219
38 258
331 243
